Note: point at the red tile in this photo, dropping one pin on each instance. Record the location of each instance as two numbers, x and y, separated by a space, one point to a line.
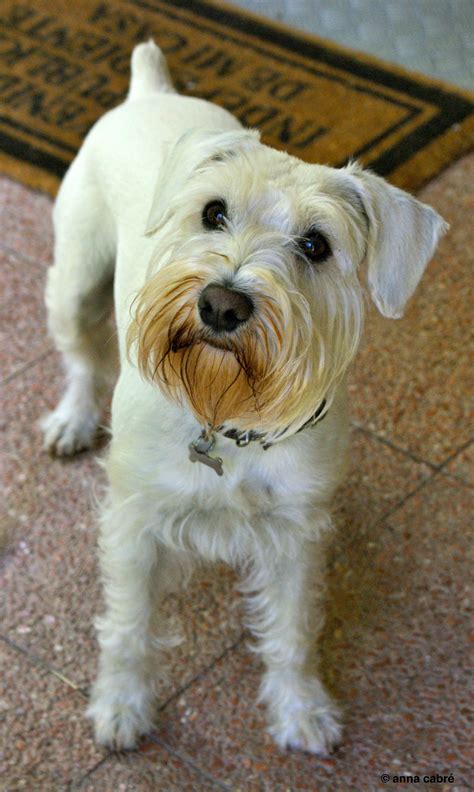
462 466
413 377
395 653
153 770
51 573
27 225
46 743
23 334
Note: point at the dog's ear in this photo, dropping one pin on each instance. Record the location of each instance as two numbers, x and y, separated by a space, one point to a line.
402 237
192 151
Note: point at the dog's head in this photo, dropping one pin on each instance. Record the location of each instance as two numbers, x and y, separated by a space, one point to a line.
252 310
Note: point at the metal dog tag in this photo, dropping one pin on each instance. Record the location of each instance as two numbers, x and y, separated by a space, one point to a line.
199 452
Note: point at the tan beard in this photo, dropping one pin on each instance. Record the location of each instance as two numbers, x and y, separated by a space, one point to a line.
264 376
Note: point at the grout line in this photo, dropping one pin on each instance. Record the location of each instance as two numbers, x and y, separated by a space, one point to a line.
37 661
455 454
429 480
141 757
38 264
186 760
202 673
404 500
77 784
435 467
394 447
456 478
31 363
398 505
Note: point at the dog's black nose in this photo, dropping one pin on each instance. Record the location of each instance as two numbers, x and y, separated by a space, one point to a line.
224 309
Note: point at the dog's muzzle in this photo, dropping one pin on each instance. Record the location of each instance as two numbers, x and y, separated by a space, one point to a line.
224 309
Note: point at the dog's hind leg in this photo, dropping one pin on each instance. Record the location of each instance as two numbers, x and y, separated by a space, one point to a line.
79 299
79 294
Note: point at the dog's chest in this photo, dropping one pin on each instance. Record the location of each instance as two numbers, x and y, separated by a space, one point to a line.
225 517
262 496
260 493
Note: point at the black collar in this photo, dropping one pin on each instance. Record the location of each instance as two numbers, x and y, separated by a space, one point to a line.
199 450
244 438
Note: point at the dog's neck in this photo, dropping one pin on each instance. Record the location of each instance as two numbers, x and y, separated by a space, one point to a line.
199 450
244 438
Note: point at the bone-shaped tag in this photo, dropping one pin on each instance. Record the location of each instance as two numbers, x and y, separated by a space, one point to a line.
196 455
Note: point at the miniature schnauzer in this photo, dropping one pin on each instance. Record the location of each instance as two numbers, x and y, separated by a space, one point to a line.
233 270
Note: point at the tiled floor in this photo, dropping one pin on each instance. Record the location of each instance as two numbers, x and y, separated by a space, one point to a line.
394 649
395 645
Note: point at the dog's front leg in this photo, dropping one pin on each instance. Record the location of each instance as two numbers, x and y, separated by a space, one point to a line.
285 612
136 571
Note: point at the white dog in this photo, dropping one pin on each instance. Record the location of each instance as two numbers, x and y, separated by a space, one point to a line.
239 311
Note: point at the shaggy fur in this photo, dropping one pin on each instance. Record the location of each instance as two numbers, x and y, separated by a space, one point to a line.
129 212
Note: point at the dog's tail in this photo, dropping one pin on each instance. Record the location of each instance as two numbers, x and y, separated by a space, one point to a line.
149 72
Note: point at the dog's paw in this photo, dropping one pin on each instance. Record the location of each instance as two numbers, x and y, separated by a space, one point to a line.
118 722
317 731
66 433
301 714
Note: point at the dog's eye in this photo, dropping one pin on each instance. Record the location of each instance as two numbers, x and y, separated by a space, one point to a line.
214 214
315 247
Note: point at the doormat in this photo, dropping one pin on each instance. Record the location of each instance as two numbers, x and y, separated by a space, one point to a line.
63 64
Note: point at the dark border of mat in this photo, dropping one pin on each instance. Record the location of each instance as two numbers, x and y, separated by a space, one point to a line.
453 109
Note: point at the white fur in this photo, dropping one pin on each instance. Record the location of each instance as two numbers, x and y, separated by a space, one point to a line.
149 166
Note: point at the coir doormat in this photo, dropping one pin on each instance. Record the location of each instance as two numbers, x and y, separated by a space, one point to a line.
64 63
